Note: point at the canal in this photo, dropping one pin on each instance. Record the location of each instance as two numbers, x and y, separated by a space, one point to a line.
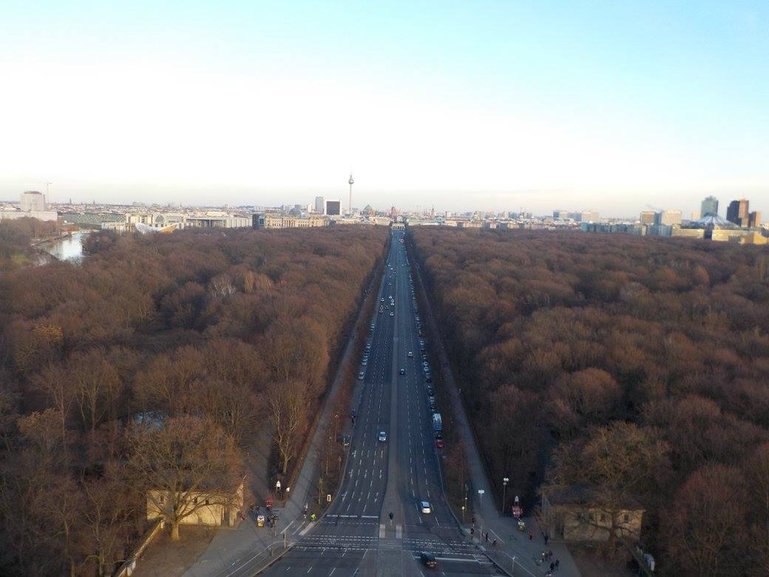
69 248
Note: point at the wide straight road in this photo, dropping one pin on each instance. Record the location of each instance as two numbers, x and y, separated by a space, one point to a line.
375 525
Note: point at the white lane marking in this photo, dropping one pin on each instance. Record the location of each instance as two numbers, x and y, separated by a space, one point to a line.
381 530
399 532
332 571
310 525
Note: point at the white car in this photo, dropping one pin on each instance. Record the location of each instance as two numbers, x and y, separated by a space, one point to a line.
382 436
425 508
411 355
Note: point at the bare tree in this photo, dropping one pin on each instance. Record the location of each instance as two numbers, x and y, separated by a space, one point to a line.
621 462
107 519
288 409
184 465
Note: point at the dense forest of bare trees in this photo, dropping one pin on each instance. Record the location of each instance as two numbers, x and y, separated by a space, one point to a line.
637 366
118 374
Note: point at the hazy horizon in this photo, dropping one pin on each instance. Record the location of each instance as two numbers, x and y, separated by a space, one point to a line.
614 107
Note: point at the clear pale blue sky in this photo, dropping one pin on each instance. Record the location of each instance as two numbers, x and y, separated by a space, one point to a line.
497 105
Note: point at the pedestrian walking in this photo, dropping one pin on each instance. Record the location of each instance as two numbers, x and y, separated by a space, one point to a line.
531 537
547 537
557 562
486 536
552 566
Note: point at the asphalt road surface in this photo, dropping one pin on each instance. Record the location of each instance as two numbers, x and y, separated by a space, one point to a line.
357 536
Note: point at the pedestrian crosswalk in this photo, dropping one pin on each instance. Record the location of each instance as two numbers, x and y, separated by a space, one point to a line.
453 548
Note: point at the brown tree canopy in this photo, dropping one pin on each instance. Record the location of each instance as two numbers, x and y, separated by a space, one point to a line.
194 327
586 334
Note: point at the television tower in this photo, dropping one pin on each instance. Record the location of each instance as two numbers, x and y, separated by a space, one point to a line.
350 182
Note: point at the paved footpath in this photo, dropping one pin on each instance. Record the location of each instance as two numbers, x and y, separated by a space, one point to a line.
514 552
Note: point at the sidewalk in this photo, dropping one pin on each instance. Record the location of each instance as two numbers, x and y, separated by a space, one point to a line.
515 553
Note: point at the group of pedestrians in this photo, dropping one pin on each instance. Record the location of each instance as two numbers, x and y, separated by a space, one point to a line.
548 556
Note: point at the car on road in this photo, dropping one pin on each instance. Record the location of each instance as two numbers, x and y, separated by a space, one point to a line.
425 508
392 314
439 444
360 376
403 371
382 437
428 560
411 355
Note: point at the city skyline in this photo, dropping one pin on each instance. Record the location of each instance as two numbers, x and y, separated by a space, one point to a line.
318 205
484 106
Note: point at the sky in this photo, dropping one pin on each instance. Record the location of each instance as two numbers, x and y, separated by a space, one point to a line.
617 106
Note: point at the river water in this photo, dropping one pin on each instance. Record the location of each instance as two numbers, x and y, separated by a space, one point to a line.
69 248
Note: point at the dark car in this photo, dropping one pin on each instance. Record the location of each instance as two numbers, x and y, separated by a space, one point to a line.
403 371
428 559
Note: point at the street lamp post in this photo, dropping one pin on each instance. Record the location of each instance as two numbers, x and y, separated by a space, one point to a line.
480 505
505 481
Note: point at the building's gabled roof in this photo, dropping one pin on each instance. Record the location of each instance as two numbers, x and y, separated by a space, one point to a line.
584 495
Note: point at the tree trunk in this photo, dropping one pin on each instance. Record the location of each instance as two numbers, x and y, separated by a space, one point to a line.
174 530
286 460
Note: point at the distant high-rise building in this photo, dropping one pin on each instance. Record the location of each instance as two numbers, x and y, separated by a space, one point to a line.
333 208
668 217
647 217
589 216
320 205
33 201
709 207
560 215
738 212
754 219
